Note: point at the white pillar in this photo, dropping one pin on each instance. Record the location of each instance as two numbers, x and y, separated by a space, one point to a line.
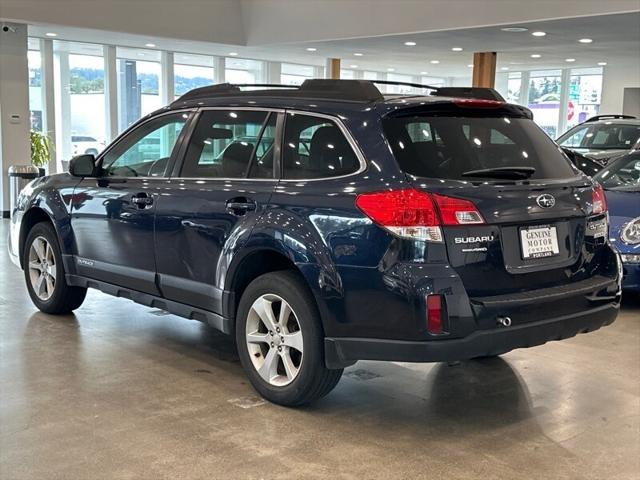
219 66
167 87
48 98
565 79
525 79
274 72
110 93
63 108
15 119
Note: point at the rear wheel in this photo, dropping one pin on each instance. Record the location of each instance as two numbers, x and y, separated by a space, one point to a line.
44 273
280 340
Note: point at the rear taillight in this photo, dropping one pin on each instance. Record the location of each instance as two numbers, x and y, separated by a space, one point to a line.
434 314
598 200
417 215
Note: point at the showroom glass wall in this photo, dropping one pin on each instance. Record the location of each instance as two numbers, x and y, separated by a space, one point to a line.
559 99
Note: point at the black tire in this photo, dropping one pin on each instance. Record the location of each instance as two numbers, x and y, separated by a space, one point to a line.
314 380
64 298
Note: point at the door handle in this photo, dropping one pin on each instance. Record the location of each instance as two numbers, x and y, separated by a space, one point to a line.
142 200
240 206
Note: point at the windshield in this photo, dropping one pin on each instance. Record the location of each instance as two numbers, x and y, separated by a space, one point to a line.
623 174
602 136
468 148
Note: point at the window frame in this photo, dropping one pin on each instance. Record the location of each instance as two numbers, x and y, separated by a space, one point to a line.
175 153
352 143
177 166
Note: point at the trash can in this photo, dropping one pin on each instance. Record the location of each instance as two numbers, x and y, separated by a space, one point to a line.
19 176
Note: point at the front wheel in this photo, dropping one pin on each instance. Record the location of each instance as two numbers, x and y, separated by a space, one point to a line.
280 340
44 273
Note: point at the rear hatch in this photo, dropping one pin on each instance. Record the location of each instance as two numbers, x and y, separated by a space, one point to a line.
537 226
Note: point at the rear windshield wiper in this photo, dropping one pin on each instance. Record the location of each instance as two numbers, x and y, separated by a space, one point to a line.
514 173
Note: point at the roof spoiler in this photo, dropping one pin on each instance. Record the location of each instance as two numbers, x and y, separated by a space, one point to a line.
469 92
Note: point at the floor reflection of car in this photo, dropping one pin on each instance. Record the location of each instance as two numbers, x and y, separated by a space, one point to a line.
85 144
621 181
603 137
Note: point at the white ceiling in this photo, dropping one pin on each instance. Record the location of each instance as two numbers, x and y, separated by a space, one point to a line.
616 39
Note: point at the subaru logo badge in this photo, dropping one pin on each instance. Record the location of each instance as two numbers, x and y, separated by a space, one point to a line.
546 201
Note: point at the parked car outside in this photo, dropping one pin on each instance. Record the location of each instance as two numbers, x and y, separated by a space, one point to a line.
621 181
85 144
419 228
604 137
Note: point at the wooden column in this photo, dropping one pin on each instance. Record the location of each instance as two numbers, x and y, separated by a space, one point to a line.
484 69
333 68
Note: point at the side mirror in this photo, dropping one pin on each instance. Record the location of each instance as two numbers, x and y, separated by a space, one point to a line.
83 165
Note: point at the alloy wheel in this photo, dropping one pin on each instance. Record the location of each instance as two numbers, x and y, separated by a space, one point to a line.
274 340
42 268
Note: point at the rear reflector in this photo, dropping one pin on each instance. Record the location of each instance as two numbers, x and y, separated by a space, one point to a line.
434 314
598 200
417 215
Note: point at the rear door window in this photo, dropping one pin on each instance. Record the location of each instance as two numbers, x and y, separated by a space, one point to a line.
447 147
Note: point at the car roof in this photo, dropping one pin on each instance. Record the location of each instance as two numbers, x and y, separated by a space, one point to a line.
613 121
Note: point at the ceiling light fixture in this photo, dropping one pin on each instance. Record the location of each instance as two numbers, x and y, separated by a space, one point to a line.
233 54
357 54
311 49
423 73
470 65
514 29
602 64
535 55
410 44
435 62
456 49
504 68
353 66
51 34
391 69
539 34
570 60
585 40
150 45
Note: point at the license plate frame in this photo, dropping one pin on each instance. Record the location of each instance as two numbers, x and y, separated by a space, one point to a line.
539 242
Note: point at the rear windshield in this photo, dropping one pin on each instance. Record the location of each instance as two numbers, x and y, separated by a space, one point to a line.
450 147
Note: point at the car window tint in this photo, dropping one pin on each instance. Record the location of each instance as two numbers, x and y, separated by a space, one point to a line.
472 143
145 151
222 144
315 147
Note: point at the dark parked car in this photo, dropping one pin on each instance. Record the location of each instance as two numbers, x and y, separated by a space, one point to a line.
604 137
410 228
621 181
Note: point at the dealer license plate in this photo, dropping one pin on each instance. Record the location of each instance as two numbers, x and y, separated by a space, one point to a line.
539 242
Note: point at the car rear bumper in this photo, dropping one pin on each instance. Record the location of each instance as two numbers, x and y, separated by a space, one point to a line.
341 352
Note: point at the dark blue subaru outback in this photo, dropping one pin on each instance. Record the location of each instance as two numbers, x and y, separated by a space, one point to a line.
327 223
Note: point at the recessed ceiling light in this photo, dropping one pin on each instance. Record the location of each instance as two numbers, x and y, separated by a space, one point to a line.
410 44
535 55
570 60
602 64
456 49
357 54
470 65
585 40
504 68
353 66
51 34
435 62
233 54
423 73
391 69
514 29
538 34
311 49
150 45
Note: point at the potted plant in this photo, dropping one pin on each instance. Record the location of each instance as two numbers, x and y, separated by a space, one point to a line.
41 150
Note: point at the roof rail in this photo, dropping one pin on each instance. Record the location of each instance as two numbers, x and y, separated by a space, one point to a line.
612 116
345 90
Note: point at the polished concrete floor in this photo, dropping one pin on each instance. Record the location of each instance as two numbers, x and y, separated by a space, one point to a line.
119 391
